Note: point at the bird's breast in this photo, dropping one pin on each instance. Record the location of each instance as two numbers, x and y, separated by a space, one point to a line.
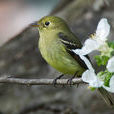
48 48
54 52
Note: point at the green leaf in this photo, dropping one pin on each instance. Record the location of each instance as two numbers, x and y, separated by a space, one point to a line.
101 60
101 75
107 79
112 53
92 88
105 76
111 44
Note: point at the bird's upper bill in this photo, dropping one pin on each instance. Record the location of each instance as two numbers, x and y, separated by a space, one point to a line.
35 24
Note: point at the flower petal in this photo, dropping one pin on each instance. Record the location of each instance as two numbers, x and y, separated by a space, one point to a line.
89 46
103 29
111 84
88 76
85 59
91 78
110 65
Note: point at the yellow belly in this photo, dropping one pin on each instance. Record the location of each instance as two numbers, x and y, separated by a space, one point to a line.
57 56
66 65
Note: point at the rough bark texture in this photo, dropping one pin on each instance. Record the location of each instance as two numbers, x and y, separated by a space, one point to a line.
20 57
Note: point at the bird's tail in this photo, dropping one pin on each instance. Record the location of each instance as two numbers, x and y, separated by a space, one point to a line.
106 96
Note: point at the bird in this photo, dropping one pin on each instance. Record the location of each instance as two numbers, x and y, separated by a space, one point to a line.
56 44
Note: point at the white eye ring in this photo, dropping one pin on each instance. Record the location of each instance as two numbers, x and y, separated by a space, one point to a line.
47 23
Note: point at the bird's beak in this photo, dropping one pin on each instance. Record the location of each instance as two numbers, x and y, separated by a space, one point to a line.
35 24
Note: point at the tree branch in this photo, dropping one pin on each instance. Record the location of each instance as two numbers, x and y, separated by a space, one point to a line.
8 79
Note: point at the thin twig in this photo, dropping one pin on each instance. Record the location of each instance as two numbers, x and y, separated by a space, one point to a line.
7 79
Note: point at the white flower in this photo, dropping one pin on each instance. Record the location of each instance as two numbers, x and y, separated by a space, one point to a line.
97 40
87 62
110 65
91 78
103 30
90 45
111 85
89 75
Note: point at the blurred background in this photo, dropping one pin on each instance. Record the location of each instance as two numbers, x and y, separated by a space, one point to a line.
20 57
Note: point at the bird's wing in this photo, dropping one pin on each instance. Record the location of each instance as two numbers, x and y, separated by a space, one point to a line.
71 44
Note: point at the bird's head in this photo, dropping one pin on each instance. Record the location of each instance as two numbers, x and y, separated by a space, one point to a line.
50 23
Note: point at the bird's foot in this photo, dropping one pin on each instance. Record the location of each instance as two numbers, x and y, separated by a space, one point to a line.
70 80
55 80
77 85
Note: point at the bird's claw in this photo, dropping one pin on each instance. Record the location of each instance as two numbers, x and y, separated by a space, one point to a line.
55 80
69 82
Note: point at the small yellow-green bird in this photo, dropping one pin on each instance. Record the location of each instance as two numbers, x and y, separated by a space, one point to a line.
56 43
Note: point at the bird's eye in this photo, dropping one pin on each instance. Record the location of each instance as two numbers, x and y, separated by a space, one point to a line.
47 23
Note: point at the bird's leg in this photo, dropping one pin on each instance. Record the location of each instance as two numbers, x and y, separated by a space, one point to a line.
55 80
70 80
